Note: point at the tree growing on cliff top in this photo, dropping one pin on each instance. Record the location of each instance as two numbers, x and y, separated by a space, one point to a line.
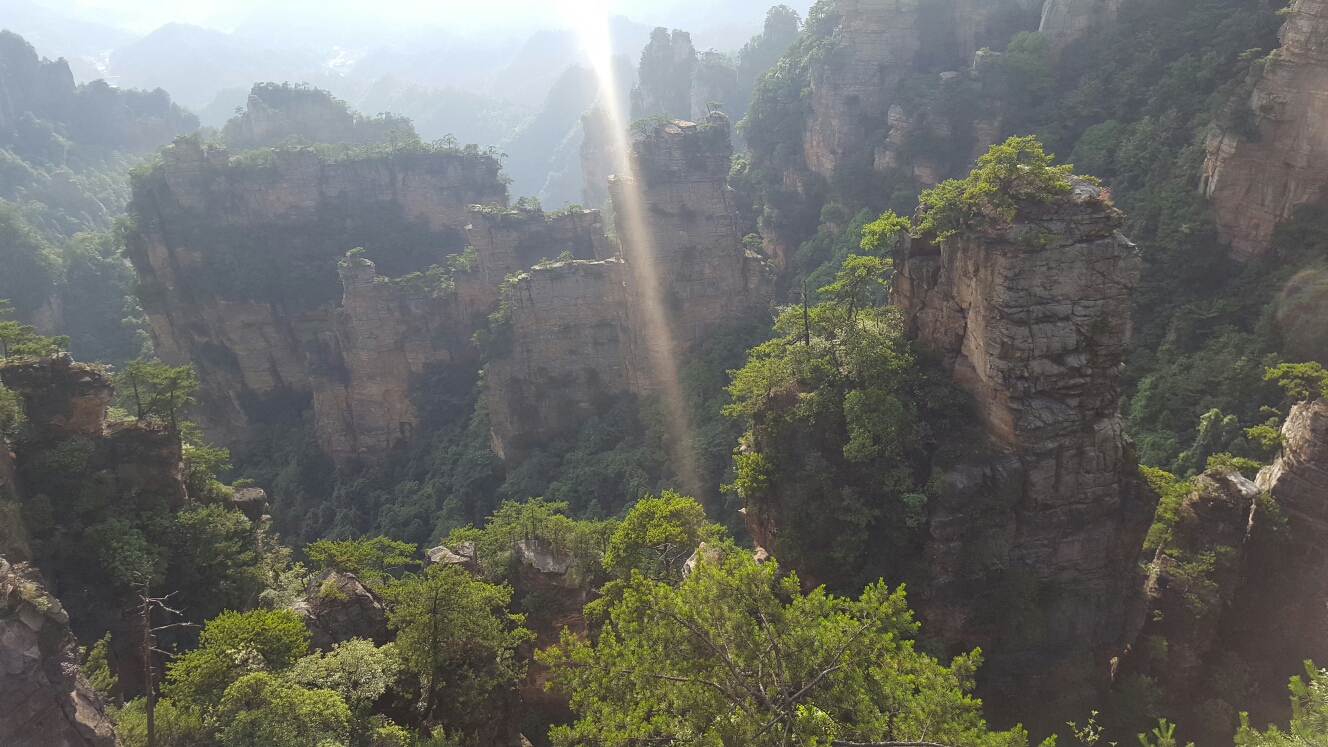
21 340
152 390
739 655
1009 173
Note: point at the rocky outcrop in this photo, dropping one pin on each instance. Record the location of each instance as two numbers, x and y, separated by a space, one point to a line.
578 331
61 397
1064 21
1273 155
238 271
1032 318
1278 616
92 115
275 112
665 75
877 42
1191 584
1237 590
930 139
689 235
571 352
45 701
340 607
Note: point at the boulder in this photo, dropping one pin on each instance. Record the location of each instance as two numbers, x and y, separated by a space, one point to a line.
340 607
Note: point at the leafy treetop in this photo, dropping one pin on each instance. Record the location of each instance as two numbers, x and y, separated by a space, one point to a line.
1009 173
737 654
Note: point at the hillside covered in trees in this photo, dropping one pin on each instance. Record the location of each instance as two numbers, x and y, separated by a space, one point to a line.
916 374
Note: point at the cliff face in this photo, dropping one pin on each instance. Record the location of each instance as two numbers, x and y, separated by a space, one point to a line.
571 351
1033 319
1236 593
877 43
1255 178
1064 21
579 329
45 701
690 229
1279 620
238 272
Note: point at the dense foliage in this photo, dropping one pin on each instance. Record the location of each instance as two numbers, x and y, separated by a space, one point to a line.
737 654
843 424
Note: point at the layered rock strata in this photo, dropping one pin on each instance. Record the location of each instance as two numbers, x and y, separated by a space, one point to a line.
238 272
1032 318
1256 175
689 236
877 42
571 351
580 331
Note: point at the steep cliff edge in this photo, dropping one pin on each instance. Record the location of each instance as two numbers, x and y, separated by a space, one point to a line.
1273 155
689 234
1236 589
577 331
1032 318
237 260
45 701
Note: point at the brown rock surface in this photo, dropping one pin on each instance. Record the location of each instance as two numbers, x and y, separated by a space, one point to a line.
239 277
852 92
571 350
45 701
340 607
578 330
1033 319
704 275
61 397
1254 181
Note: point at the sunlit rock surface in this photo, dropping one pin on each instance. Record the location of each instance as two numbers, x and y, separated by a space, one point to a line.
1033 318
1256 174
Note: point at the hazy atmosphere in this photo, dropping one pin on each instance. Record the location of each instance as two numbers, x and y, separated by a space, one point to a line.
674 373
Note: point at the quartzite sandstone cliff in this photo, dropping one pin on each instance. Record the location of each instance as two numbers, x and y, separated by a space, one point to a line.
238 272
580 330
1255 178
1033 318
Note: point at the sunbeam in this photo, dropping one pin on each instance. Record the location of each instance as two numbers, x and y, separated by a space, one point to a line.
590 19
